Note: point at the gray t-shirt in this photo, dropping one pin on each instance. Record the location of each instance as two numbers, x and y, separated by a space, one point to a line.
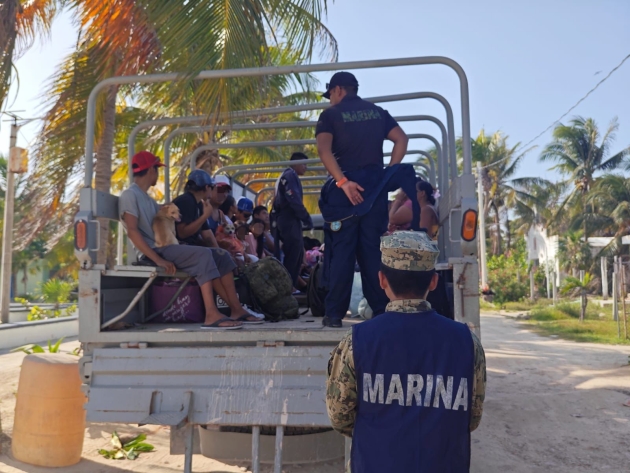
136 202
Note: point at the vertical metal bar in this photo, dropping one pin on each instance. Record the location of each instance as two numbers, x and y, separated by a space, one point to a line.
120 242
277 462
615 290
256 449
7 235
188 452
482 230
167 169
604 266
623 300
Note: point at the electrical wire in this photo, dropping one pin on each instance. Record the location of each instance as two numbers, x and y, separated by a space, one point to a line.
565 114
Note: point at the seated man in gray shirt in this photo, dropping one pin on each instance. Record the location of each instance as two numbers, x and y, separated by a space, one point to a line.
213 271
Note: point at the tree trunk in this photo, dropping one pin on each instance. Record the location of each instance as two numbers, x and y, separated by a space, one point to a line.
103 167
496 250
583 308
508 234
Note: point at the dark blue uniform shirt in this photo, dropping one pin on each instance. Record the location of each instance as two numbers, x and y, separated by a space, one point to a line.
288 198
359 129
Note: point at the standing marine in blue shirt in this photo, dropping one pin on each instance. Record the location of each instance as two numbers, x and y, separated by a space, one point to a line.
290 217
350 137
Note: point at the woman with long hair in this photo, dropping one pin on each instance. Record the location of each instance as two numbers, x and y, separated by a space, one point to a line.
428 213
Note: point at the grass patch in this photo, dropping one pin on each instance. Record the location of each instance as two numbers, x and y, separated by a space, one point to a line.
563 320
525 304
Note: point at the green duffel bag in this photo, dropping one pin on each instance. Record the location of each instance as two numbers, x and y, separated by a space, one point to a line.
272 287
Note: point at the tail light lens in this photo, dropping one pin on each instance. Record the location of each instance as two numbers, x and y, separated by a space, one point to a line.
80 235
469 225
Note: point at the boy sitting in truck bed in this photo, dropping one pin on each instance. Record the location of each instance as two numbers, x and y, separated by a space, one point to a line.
211 270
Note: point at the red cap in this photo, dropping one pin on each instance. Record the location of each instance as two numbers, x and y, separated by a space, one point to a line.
143 160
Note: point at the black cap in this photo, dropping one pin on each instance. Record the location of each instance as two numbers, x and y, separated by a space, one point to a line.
344 79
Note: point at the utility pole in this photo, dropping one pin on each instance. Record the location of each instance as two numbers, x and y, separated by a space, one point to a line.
482 229
7 232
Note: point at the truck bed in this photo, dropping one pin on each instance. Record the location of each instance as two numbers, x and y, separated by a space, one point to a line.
306 330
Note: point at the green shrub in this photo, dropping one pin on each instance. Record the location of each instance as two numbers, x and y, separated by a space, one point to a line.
563 310
56 291
503 277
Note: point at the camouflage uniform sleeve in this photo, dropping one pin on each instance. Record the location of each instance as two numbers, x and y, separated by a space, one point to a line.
479 383
341 387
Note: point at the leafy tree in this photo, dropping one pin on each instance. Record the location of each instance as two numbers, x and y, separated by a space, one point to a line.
573 252
611 199
499 165
151 36
20 23
28 261
580 151
572 284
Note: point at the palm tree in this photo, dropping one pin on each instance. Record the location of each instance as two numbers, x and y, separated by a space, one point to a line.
20 23
536 205
150 36
580 155
499 164
572 284
574 252
611 199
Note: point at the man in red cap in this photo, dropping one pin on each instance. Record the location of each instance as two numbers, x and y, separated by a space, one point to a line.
137 211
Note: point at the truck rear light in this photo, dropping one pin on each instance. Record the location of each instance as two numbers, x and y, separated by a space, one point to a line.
80 235
469 225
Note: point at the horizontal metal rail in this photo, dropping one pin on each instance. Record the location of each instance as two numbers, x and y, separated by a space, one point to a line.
270 126
278 70
201 119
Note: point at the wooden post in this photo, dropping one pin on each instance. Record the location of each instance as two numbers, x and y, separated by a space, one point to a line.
604 266
531 283
623 301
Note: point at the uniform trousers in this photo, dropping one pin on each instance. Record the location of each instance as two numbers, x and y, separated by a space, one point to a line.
358 240
290 233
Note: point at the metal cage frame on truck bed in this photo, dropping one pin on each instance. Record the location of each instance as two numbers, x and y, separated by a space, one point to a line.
269 376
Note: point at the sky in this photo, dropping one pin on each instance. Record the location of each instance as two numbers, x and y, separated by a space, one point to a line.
527 63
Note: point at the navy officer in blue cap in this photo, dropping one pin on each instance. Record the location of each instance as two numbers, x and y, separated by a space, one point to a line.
290 217
350 136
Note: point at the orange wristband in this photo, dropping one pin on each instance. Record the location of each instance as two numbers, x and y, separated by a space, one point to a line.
341 182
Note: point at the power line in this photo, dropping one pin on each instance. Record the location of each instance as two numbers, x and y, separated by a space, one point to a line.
568 111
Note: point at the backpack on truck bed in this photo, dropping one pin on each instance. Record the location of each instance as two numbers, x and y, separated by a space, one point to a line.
315 294
272 288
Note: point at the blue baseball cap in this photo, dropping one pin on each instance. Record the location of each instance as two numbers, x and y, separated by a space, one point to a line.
344 79
245 205
201 178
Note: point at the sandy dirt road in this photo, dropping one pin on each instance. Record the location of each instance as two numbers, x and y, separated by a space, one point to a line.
551 406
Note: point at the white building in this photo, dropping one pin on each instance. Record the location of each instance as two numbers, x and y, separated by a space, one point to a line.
544 249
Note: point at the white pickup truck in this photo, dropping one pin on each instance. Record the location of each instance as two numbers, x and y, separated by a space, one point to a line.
255 394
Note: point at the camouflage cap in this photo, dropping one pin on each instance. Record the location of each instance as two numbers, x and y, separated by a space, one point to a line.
409 251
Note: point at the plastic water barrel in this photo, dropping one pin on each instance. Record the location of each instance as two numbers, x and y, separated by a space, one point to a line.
49 421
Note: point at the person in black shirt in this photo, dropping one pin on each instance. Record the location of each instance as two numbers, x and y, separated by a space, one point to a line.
193 229
290 217
350 136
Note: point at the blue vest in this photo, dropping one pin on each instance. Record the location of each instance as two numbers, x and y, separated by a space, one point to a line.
414 385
